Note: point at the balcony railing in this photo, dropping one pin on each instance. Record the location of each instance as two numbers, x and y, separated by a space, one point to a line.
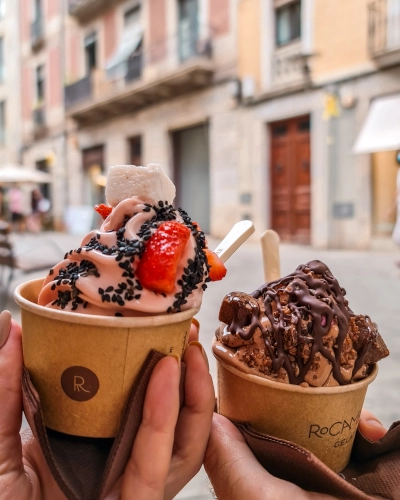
147 76
39 116
39 122
78 91
289 67
384 31
135 66
37 33
83 10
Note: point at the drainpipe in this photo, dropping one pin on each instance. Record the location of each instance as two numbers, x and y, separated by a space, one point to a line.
64 13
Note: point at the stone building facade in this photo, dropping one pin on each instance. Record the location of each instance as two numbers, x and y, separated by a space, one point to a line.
161 88
43 137
323 63
253 107
10 111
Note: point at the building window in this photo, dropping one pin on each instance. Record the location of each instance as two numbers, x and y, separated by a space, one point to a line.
1 60
288 23
43 166
37 10
132 16
135 151
90 52
2 9
2 123
40 84
127 59
188 28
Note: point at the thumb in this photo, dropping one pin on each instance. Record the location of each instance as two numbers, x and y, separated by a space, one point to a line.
10 394
370 427
235 473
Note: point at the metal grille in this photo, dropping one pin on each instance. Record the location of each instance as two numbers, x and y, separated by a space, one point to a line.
383 26
134 70
78 91
39 116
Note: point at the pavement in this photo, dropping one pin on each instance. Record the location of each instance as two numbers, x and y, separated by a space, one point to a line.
371 279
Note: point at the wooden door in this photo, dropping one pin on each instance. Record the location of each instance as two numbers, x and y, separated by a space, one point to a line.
93 168
290 179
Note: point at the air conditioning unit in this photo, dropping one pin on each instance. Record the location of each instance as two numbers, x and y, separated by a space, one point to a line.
248 87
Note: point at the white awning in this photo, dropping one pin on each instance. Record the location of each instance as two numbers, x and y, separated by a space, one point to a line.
117 66
381 128
19 174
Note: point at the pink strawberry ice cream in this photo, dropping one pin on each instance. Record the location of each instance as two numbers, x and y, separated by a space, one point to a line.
100 276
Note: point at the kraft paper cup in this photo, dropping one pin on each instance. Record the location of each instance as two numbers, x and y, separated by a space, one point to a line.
83 366
323 420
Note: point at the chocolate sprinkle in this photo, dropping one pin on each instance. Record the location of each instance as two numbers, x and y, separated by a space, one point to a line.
125 252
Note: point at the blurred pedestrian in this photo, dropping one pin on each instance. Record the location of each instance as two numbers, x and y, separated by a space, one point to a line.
16 208
34 221
396 207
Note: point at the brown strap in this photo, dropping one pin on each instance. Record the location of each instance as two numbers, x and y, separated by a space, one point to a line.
374 470
87 468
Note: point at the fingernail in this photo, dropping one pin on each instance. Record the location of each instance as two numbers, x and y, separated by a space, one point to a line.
177 357
5 323
374 423
196 322
203 352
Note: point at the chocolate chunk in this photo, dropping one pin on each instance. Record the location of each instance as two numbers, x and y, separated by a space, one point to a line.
238 307
364 334
297 316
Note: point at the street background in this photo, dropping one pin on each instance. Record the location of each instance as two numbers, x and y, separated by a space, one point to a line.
371 279
283 112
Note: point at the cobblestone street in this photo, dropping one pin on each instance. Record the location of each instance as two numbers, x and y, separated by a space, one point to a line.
372 282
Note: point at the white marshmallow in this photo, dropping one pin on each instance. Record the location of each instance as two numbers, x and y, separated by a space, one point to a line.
150 184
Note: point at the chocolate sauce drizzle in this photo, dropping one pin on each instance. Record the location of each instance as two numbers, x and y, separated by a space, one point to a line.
309 295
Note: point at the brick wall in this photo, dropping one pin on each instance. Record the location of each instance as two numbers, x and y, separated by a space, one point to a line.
110 34
219 16
54 75
157 30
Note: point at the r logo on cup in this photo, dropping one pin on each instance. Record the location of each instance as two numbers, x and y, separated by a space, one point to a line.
79 383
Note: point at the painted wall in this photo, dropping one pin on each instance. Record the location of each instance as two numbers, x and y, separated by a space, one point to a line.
249 40
340 38
10 87
384 171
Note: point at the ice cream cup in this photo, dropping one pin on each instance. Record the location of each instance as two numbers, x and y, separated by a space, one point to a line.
84 366
323 420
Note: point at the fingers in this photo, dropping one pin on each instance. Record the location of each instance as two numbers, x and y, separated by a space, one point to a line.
235 473
41 484
194 422
194 331
148 466
370 427
10 395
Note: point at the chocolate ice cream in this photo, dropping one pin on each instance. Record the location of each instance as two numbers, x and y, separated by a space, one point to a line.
298 330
